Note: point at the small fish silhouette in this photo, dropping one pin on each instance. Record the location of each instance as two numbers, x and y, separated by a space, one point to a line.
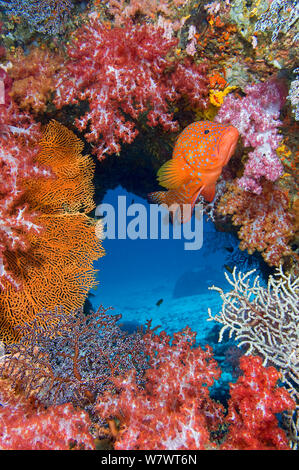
159 302
199 154
228 268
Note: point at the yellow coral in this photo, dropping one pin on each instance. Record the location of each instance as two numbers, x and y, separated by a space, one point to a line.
217 96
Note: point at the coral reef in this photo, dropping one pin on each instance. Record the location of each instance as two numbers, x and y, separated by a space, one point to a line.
293 95
64 358
124 80
26 425
33 78
255 400
123 10
18 133
44 16
71 188
57 267
127 76
264 321
176 412
280 17
265 222
256 116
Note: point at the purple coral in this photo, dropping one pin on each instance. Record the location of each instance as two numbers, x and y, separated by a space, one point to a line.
256 116
44 16
74 359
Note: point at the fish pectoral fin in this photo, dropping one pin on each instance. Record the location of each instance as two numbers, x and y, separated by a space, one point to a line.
172 175
169 198
208 192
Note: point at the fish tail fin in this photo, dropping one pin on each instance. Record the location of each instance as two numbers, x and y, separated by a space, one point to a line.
180 207
172 174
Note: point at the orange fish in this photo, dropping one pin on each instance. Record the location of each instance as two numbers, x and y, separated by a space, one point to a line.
199 154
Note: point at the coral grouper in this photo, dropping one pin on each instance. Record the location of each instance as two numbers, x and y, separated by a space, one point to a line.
200 153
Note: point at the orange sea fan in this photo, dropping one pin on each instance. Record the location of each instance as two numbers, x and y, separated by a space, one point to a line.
71 189
57 269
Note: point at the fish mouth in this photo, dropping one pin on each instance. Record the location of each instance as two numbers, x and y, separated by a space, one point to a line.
227 144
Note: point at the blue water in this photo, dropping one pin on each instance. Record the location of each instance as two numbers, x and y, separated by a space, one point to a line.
137 274
160 280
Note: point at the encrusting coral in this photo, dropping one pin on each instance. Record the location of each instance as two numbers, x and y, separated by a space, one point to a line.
57 267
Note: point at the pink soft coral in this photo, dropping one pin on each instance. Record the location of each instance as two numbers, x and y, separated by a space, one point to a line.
174 410
256 116
127 75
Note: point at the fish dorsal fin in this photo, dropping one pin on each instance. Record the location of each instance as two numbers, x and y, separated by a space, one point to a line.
172 174
208 192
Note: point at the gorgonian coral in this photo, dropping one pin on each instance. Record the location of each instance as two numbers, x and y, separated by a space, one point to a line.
264 320
57 266
127 76
43 16
64 358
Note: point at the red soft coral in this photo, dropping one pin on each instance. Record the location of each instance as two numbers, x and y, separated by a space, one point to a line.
18 134
127 75
25 425
254 401
175 411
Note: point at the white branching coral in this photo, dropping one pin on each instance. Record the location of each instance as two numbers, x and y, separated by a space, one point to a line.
264 320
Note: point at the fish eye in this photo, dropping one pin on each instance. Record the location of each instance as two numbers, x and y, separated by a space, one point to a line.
206 131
